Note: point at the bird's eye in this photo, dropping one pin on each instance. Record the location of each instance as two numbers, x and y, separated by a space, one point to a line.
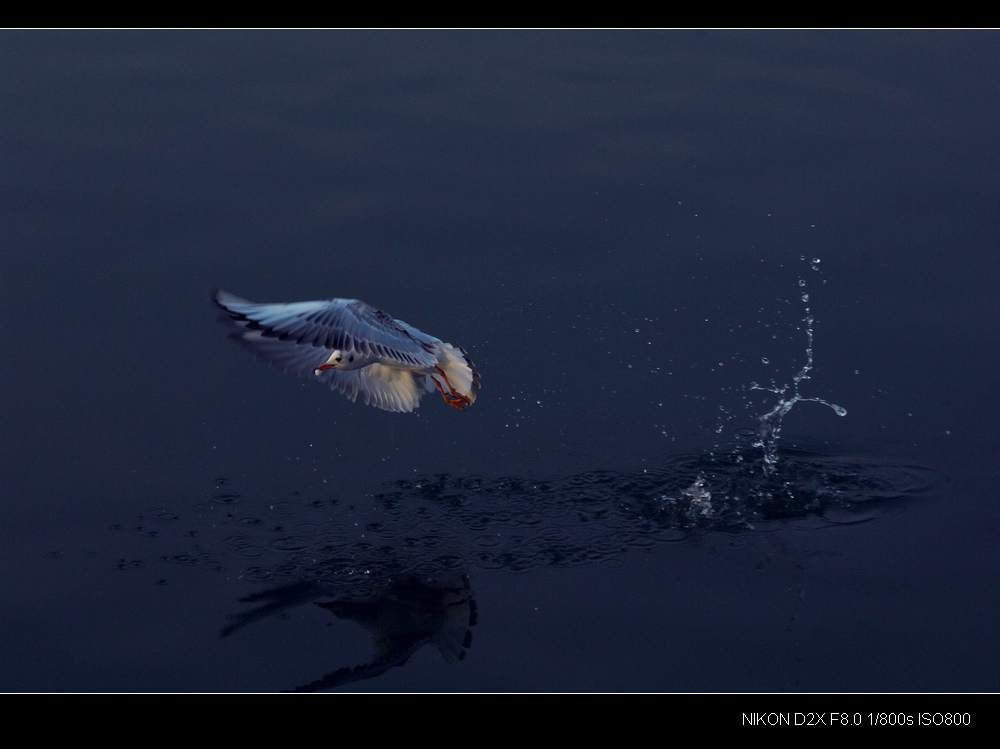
352 358
340 358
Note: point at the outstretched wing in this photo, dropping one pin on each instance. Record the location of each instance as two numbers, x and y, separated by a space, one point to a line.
296 335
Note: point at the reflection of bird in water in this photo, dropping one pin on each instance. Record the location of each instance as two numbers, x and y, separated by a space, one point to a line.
409 613
403 617
355 348
406 615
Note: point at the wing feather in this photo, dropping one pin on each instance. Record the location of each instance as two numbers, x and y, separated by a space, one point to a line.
387 388
350 325
298 337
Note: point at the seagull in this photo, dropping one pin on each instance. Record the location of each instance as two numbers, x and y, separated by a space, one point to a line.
353 347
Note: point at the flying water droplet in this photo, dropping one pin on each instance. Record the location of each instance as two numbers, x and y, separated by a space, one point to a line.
770 422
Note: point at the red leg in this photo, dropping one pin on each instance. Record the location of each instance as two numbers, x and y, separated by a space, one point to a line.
452 397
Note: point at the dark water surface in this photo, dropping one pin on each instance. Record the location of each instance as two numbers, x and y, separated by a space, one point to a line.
622 228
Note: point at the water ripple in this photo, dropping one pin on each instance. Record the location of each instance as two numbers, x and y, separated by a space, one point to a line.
441 523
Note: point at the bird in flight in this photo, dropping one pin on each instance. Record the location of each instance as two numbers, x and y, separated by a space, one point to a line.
355 348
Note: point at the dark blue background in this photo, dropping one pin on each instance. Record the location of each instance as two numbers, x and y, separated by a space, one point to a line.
614 224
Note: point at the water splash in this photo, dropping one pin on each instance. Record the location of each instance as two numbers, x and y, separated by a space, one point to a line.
770 422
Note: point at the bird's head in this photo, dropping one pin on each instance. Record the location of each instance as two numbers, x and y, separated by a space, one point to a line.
336 359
